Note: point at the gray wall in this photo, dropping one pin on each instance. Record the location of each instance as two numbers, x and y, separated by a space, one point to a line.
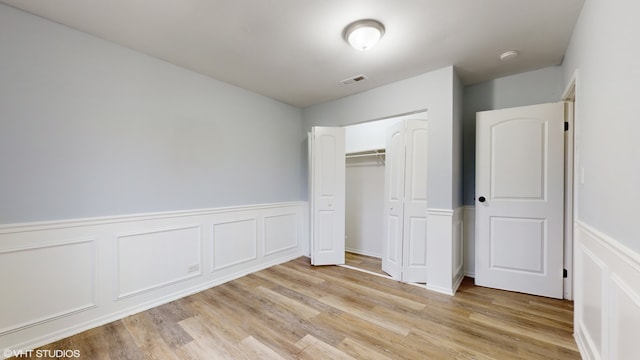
432 91
89 128
605 51
457 142
534 87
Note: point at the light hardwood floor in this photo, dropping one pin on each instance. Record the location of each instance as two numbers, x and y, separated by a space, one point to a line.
364 262
298 311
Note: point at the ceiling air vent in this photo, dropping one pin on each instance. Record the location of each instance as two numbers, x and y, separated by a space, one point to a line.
354 79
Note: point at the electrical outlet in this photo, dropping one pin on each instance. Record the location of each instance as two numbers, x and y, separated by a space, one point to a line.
193 268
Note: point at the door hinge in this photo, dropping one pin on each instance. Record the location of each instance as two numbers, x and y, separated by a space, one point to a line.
564 273
566 126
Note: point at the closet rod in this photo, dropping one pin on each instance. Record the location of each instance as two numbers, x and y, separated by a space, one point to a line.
376 153
363 155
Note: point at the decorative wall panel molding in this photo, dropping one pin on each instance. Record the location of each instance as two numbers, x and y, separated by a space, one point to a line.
152 259
46 281
280 233
234 242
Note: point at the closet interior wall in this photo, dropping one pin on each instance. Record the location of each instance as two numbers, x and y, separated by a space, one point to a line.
364 204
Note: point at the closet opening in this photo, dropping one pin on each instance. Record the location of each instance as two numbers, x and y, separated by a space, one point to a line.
374 190
368 196
364 209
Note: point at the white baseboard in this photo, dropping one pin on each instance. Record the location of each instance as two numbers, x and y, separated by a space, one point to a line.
607 296
100 270
456 283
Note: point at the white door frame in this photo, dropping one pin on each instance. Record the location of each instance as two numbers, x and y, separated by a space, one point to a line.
571 181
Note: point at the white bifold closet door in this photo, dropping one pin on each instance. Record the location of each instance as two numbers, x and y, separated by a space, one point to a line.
404 251
327 195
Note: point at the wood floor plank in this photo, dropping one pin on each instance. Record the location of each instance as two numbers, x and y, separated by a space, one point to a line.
461 348
307 288
210 339
264 325
302 310
91 344
379 297
142 329
455 349
165 319
297 311
254 349
159 350
514 311
312 348
379 338
120 342
197 350
361 351
296 275
554 338
219 318
365 314
282 320
364 262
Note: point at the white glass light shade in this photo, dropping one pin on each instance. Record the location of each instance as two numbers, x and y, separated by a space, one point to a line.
364 34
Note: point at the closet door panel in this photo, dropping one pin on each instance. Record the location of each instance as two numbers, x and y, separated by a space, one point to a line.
394 202
328 195
415 203
417 227
394 225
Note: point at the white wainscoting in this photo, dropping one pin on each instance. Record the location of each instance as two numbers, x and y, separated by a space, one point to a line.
607 296
63 277
458 247
469 240
444 250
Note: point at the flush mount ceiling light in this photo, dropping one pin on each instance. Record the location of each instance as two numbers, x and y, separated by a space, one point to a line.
509 55
363 34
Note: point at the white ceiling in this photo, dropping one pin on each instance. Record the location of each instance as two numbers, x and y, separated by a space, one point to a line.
293 51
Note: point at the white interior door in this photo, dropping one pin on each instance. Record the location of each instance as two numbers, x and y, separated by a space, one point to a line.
519 199
414 249
394 201
327 200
